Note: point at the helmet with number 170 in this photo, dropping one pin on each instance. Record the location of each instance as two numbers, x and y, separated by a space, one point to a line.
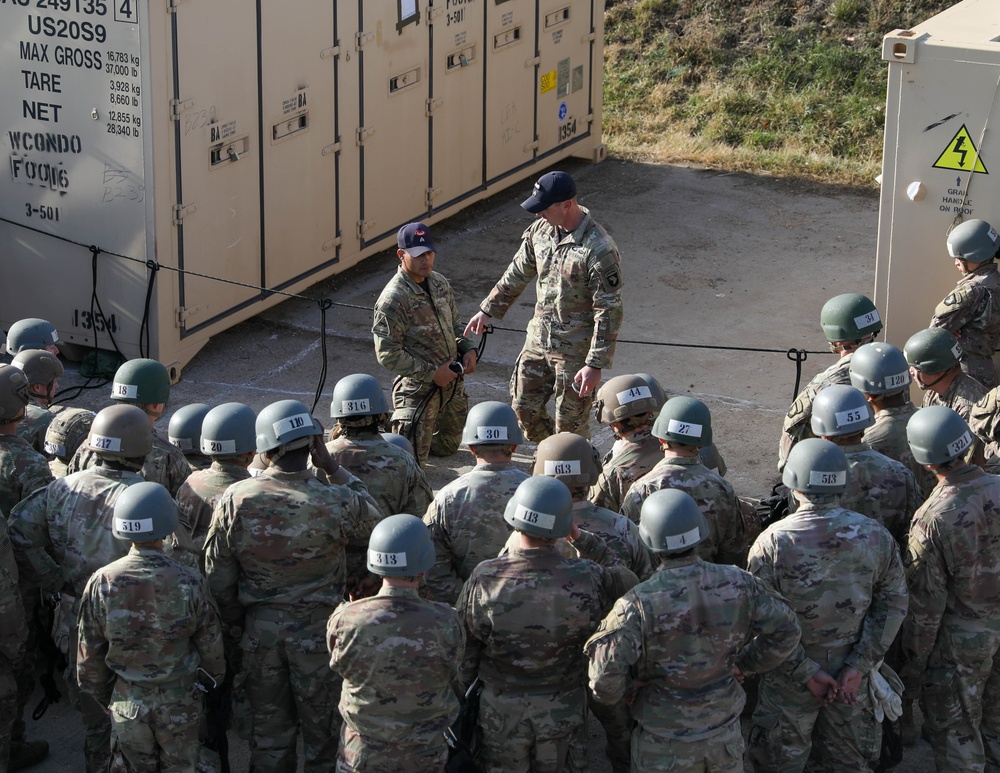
684 420
937 435
849 317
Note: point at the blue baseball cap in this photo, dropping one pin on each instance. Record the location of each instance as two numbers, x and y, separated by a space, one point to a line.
550 189
416 239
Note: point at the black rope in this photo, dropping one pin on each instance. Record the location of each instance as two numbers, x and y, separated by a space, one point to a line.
324 304
798 356
153 267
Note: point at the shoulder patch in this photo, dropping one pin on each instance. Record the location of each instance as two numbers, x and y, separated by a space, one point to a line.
609 267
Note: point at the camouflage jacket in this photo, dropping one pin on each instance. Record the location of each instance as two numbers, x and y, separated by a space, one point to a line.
880 488
278 540
22 470
961 396
841 573
953 574
726 543
417 331
972 312
392 476
673 642
37 419
466 523
149 620
13 628
520 639
638 454
62 533
398 655
796 425
196 502
888 436
579 308
165 464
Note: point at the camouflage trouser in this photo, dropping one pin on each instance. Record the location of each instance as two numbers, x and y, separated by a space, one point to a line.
290 686
537 377
439 413
154 730
722 753
792 729
617 724
96 724
983 370
8 710
356 755
541 732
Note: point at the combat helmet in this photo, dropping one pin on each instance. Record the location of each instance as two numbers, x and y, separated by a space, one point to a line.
400 546
816 466
400 441
840 409
141 382
357 396
670 521
625 396
39 366
938 434
229 430
121 432
879 369
13 394
849 317
184 428
933 350
491 423
541 507
974 241
684 420
31 333
568 457
144 512
67 431
287 424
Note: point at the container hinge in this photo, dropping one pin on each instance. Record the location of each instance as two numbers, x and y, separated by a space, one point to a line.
181 313
589 119
172 5
181 211
178 106
364 226
332 244
432 105
361 39
531 146
533 62
334 148
430 194
433 13
328 53
364 133
589 38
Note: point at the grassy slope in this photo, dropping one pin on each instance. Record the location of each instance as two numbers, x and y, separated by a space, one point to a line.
775 86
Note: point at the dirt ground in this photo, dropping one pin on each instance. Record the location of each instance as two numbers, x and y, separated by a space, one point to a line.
709 260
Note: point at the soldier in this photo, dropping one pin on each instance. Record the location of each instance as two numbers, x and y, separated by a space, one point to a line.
527 615
877 486
62 534
145 384
148 628
951 635
683 427
276 567
13 638
680 677
184 433
934 357
971 312
395 706
466 517
571 339
848 321
64 436
43 370
32 333
22 468
841 573
418 336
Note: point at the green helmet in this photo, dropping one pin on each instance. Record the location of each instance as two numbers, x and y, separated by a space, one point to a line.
400 442
285 423
840 410
31 333
879 369
816 466
13 393
974 241
141 382
38 366
400 546
184 429
144 512
357 395
121 432
670 521
67 431
937 434
684 420
568 457
491 423
849 317
933 350
229 430
623 397
541 507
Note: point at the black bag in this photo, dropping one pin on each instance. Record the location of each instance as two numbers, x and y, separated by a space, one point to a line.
892 746
462 736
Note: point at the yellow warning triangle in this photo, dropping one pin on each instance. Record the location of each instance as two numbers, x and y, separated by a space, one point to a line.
961 154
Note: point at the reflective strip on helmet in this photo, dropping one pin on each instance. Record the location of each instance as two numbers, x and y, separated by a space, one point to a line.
291 423
633 394
681 540
867 320
104 443
17 364
491 433
55 333
686 428
183 443
568 467
957 351
218 447
535 518
854 416
393 560
141 526
821 478
956 447
54 450
356 406
992 234
125 391
897 380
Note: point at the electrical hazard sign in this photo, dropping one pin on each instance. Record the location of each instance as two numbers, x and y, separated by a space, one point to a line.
961 154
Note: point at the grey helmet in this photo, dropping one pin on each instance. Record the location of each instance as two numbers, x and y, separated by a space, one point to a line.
491 423
840 409
933 350
879 369
286 423
13 394
144 512
625 396
849 317
568 457
184 428
400 546
31 333
670 521
400 441
974 241
356 396
541 507
684 420
816 466
229 430
67 431
121 432
938 434
38 366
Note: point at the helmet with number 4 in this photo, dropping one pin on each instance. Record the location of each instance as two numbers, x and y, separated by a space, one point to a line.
356 396
879 369
184 427
121 432
144 512
229 430
541 507
31 333
974 241
141 382
933 350
491 423
816 466
286 423
400 546
937 434
13 393
684 420
849 317
840 410
670 521
625 396
568 457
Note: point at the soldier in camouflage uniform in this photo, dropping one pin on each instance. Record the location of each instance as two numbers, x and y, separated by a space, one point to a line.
571 339
22 468
62 534
951 636
43 371
147 627
145 384
32 333
398 655
680 674
13 636
527 615
934 357
276 566
971 312
848 321
466 516
877 486
841 573
64 436
418 336
184 433
683 427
